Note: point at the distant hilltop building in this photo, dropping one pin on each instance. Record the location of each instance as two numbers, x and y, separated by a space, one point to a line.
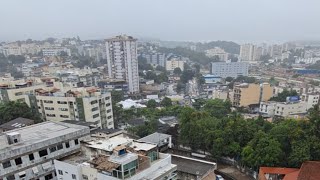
223 56
175 62
122 60
250 52
155 59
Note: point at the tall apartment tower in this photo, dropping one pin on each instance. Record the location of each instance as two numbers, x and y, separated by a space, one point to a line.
247 52
122 61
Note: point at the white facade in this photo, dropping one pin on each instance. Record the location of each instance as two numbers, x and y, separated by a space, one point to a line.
247 52
230 69
155 59
223 56
28 152
122 60
283 109
310 99
55 51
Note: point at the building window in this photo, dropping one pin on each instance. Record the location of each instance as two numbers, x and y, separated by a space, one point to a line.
108 104
59 146
48 102
18 161
49 176
76 141
67 145
49 108
85 177
95 116
19 93
109 110
31 157
6 164
64 116
62 102
94 109
107 98
109 117
11 177
43 152
94 102
74 176
53 149
63 109
60 172
51 115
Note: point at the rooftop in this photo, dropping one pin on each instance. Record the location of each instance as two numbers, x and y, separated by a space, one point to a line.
155 138
38 133
122 38
110 144
309 171
193 166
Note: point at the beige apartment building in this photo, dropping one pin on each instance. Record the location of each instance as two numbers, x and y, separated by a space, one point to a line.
174 63
247 94
80 104
16 90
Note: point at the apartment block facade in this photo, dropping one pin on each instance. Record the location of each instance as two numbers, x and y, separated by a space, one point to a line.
229 69
174 63
80 104
122 61
29 152
17 91
247 94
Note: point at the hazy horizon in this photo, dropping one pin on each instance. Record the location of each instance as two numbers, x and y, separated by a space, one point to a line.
173 20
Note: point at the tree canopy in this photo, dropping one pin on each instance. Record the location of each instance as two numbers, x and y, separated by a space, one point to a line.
166 102
14 109
281 97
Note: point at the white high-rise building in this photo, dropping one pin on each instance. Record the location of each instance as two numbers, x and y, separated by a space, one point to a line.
122 60
247 52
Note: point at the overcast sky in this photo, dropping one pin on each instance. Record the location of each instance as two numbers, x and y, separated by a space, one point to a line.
195 20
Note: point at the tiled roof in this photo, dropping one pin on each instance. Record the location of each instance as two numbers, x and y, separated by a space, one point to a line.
309 171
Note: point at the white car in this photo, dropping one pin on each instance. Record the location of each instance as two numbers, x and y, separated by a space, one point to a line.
219 177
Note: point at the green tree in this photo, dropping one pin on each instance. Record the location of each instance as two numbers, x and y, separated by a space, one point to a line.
180 87
229 79
217 107
14 109
262 150
177 71
151 103
281 97
143 65
166 102
161 68
162 77
116 97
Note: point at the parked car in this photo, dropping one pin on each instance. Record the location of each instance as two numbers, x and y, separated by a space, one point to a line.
219 177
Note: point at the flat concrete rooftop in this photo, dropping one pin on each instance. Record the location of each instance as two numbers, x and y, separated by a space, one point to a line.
38 133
